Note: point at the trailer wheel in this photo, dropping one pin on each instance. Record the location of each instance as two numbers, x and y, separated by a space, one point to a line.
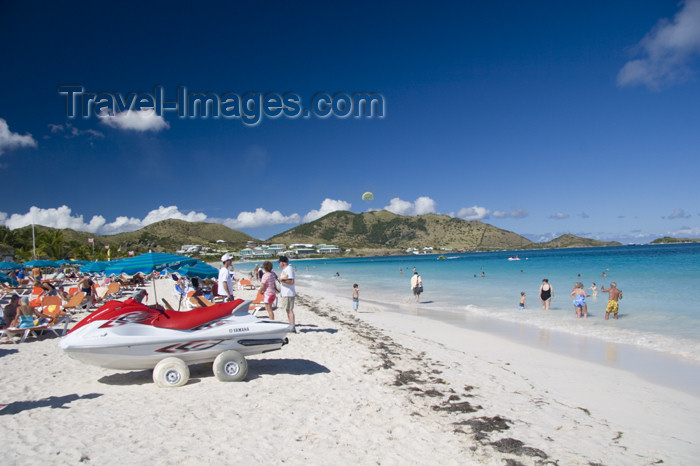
171 373
230 366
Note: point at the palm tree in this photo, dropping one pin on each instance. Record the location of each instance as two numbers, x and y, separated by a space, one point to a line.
51 243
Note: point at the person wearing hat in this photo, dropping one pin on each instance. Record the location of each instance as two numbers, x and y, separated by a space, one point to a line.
225 287
287 292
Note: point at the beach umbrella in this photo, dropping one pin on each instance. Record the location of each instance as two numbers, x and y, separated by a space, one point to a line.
199 269
70 262
94 267
10 266
40 263
147 263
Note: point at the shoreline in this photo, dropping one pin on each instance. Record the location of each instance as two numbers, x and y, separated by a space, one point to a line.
607 396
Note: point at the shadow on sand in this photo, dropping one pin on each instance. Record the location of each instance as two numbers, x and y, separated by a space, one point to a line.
256 368
53 402
5 352
259 367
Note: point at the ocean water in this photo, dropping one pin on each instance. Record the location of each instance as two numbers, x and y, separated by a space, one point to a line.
659 311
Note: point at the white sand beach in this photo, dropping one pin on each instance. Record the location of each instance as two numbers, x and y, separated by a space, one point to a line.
374 387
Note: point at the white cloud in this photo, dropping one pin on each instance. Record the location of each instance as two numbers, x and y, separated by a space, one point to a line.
327 206
686 232
559 216
473 213
62 217
69 131
259 218
517 213
666 50
137 120
678 213
422 205
10 140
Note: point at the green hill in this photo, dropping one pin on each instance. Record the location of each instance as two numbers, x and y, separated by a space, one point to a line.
385 230
573 241
165 236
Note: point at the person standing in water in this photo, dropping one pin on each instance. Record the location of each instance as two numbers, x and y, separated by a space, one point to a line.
594 290
546 294
416 285
613 301
579 295
355 297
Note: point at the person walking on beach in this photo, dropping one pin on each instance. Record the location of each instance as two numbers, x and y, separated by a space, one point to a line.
288 292
546 294
416 285
613 300
355 297
225 287
268 288
579 295
521 305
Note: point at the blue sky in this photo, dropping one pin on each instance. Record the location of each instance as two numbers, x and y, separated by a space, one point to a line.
542 118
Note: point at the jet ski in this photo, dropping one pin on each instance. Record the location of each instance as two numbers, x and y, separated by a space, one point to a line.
131 336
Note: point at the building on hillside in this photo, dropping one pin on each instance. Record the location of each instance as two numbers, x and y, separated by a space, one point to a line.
327 249
189 249
299 245
301 252
276 249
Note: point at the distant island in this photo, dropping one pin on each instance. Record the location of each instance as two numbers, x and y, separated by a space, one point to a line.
670 240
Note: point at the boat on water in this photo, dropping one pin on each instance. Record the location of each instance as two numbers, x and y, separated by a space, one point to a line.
132 336
514 258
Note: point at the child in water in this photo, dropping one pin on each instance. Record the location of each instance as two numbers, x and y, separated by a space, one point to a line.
355 297
521 306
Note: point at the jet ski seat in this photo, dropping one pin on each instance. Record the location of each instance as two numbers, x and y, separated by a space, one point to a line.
188 320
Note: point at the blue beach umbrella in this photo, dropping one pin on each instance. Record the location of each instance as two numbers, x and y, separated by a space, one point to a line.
199 269
40 263
147 263
70 262
94 267
10 266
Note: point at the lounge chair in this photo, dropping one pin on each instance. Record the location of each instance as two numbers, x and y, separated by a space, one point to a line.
58 317
54 316
245 284
76 302
199 301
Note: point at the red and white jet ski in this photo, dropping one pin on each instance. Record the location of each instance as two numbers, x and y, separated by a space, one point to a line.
130 335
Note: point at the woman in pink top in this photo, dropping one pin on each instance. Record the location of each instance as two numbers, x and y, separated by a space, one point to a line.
268 288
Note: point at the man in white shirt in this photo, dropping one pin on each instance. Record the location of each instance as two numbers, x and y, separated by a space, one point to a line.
287 292
225 287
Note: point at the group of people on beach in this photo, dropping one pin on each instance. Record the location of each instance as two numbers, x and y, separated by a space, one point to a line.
579 295
270 285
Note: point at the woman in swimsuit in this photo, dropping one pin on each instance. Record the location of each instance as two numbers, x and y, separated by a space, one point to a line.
546 294
579 295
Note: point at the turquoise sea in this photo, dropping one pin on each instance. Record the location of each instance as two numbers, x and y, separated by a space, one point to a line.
659 314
